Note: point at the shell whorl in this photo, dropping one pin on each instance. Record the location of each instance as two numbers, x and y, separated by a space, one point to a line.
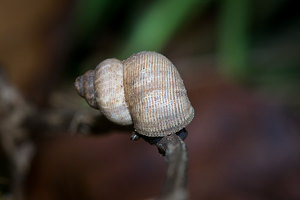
85 88
103 89
156 95
145 89
110 91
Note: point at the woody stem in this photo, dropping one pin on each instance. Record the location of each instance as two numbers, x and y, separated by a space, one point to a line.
175 151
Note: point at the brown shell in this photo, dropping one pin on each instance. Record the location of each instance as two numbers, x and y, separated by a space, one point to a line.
102 89
85 88
155 94
145 89
110 91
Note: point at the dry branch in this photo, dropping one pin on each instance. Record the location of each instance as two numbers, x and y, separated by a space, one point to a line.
174 148
20 124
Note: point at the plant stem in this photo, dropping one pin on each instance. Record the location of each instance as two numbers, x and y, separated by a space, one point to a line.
175 151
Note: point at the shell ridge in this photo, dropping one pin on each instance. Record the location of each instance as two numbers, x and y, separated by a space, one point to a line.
154 94
110 91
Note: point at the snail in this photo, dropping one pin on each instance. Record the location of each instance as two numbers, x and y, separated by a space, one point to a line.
145 90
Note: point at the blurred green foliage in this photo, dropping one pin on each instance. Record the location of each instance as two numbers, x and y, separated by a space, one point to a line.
243 29
234 38
152 29
159 23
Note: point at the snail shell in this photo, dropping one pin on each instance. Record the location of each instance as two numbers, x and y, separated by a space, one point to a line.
145 89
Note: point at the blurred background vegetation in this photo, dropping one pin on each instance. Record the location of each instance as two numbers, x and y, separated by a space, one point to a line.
251 44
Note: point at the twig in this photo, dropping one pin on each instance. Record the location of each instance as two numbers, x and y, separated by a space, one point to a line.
175 151
174 148
13 137
20 123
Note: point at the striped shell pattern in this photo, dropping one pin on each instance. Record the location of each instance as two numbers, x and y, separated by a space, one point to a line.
145 89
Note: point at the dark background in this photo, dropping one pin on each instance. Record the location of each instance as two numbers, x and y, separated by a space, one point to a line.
240 64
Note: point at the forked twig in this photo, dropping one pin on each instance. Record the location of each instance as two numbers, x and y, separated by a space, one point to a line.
175 187
176 155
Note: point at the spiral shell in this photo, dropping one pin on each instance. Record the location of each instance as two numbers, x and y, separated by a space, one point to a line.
145 89
103 89
85 88
110 91
156 95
